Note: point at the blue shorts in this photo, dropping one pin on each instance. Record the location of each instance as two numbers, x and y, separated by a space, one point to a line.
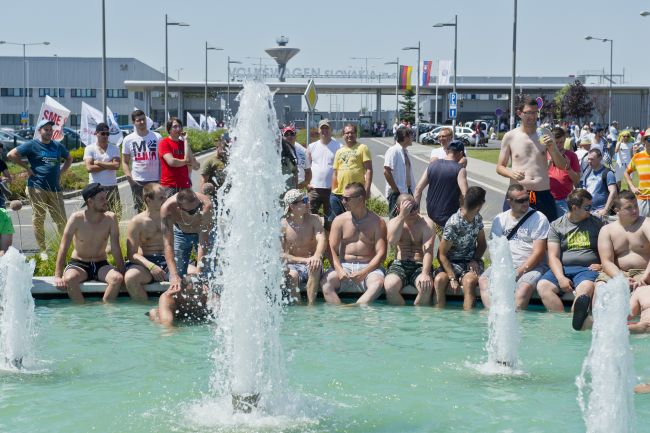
577 274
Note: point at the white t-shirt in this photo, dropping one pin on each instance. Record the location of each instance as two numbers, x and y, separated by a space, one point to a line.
582 159
438 152
394 159
145 166
320 158
521 245
104 177
301 156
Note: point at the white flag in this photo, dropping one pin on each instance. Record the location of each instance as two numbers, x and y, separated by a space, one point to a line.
190 122
444 71
203 122
212 124
113 128
90 117
149 121
55 112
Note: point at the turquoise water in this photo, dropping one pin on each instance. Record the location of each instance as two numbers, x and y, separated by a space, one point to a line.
374 369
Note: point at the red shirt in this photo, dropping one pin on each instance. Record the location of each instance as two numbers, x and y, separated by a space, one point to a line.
561 183
175 177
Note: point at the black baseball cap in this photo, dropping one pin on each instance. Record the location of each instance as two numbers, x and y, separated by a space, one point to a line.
90 191
456 146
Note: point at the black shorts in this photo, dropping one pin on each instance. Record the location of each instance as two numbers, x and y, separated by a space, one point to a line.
90 268
407 271
156 259
542 201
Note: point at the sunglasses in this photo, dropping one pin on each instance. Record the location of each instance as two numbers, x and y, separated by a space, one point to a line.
289 134
520 200
105 133
303 200
586 208
350 197
193 211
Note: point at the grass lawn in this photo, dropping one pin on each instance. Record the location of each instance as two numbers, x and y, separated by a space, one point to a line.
487 155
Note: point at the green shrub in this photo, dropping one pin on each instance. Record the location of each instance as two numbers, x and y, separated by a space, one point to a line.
200 140
77 154
378 206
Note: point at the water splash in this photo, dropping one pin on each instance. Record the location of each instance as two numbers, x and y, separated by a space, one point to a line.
503 329
249 366
605 384
17 317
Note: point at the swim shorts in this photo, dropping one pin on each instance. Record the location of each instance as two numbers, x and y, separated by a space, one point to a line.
90 268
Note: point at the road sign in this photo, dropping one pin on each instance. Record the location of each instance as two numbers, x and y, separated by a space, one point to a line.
453 99
540 102
24 117
498 112
311 96
452 113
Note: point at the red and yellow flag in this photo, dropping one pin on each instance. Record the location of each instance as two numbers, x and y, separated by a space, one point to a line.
405 77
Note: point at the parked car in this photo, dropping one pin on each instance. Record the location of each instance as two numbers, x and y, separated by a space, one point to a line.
461 133
71 139
9 140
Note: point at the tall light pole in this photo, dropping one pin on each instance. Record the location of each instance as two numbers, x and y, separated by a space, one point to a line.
230 62
104 60
396 62
57 76
24 45
455 26
167 24
367 78
205 101
514 66
417 93
611 72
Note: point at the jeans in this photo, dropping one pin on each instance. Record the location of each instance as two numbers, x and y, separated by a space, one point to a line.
562 207
183 244
336 206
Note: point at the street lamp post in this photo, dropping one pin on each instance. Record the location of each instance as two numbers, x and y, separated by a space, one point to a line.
417 93
514 65
205 101
104 60
611 73
24 45
230 62
396 62
455 26
167 24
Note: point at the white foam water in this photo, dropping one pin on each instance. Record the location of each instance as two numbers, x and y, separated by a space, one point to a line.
503 328
17 317
606 382
249 372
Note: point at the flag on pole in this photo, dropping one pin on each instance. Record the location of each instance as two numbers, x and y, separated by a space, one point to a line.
52 110
203 122
90 117
444 71
190 122
113 128
149 121
405 77
212 124
426 72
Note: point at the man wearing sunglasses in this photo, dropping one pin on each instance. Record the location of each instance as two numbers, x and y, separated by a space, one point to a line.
641 164
304 170
573 258
358 247
102 160
303 243
289 161
187 221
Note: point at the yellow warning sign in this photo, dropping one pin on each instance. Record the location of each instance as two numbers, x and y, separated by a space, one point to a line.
311 96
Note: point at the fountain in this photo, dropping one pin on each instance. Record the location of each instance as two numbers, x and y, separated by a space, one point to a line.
17 318
607 378
503 334
248 354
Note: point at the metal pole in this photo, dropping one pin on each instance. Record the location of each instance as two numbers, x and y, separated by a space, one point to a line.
104 59
435 121
611 77
455 62
228 86
57 76
25 84
166 71
417 100
514 63
397 93
205 101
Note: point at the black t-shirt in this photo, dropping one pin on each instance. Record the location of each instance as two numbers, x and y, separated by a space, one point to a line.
443 195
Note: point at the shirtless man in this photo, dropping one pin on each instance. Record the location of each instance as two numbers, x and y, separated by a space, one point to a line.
640 305
144 245
187 221
90 229
358 247
413 235
188 302
303 243
529 168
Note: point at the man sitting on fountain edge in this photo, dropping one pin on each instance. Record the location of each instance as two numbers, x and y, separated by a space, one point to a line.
358 247
303 245
90 229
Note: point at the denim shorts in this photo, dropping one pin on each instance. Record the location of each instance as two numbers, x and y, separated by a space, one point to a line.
183 245
577 274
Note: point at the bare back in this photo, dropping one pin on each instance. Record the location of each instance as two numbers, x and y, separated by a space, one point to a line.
358 237
90 237
299 239
414 237
528 155
631 246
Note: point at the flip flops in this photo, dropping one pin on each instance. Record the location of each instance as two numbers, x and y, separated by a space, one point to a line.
580 311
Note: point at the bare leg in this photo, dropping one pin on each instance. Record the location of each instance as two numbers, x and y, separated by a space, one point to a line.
440 284
114 279
643 388
424 295
393 285
135 279
484 286
73 278
584 288
330 284
312 286
470 281
523 292
293 280
549 293
374 287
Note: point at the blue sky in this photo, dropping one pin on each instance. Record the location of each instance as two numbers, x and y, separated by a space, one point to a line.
550 33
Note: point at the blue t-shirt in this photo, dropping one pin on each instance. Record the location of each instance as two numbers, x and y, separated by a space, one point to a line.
45 161
593 182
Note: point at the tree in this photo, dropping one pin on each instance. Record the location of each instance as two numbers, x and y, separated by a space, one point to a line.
408 106
578 102
601 104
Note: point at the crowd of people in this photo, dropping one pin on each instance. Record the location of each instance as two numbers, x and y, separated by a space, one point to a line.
569 225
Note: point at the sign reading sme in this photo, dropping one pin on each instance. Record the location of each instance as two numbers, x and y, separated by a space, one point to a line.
272 72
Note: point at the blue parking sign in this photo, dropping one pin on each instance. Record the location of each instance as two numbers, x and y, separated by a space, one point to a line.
452 113
453 99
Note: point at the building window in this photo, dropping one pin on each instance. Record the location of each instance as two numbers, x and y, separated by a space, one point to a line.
83 93
74 119
10 119
123 119
139 95
14 91
117 93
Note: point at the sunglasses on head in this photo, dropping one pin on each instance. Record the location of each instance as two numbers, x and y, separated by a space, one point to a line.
303 200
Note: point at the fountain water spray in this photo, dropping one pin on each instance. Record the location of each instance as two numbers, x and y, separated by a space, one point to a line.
17 317
606 382
503 329
248 356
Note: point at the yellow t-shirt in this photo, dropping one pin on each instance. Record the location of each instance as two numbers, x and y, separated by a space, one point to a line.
348 163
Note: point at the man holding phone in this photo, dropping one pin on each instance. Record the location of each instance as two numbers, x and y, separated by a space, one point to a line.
176 158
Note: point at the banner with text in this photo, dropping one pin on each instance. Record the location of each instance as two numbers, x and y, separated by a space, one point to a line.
52 110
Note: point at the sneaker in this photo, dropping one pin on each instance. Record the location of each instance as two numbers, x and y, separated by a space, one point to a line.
44 256
580 311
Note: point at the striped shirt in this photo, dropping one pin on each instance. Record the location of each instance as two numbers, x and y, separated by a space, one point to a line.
641 164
